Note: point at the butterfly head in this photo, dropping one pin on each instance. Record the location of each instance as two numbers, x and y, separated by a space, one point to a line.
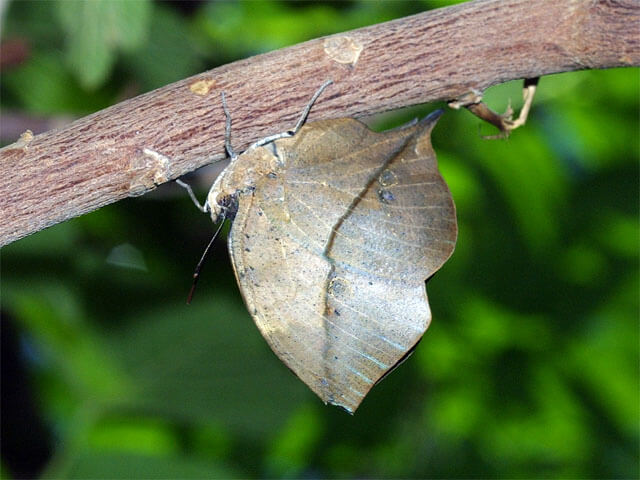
221 206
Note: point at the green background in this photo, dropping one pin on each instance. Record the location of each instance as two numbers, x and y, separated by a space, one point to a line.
530 366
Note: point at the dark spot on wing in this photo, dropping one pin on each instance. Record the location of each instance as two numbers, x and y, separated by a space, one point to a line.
385 196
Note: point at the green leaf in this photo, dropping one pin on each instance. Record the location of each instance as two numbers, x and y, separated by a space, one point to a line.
295 443
127 466
42 85
170 53
186 362
96 30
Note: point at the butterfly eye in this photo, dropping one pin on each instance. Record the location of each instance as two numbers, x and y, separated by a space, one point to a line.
224 201
228 205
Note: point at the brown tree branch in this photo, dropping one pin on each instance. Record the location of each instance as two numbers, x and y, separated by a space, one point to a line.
131 147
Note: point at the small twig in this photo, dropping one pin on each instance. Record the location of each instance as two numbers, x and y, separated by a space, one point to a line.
504 122
528 92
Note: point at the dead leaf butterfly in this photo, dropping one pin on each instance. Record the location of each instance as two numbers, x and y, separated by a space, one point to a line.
336 229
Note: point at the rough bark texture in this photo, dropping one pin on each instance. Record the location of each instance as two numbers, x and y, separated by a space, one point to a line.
130 148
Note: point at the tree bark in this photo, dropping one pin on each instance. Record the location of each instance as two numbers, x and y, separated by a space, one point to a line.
130 148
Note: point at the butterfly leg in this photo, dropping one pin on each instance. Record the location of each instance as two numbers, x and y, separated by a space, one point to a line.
227 129
303 118
307 109
227 145
203 208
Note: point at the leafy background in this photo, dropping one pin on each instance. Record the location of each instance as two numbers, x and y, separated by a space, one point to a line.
530 367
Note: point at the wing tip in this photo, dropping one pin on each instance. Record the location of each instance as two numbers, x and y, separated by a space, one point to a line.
430 121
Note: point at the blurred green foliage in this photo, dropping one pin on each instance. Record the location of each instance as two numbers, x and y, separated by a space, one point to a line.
530 367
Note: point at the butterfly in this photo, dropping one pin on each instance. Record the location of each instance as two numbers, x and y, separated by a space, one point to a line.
335 230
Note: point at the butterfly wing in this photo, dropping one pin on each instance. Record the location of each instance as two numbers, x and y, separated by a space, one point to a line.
331 251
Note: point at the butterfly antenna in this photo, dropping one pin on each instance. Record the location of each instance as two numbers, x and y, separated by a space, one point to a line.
196 273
